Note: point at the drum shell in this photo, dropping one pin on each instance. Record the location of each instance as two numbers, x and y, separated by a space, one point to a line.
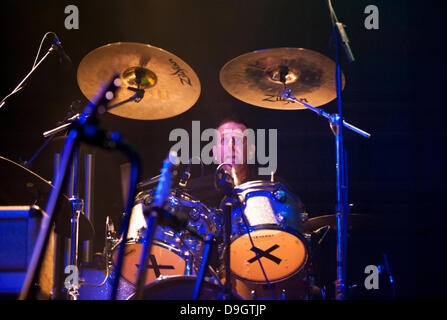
278 205
267 210
180 251
294 288
294 240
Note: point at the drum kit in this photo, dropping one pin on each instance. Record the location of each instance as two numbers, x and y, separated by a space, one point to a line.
268 254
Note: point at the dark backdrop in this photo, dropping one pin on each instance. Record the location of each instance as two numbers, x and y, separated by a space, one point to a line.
394 90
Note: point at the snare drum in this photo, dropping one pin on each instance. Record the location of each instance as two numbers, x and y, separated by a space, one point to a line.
272 221
172 253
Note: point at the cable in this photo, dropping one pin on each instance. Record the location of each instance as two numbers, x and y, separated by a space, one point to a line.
35 65
244 218
40 47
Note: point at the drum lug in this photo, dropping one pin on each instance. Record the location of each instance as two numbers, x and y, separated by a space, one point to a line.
188 265
147 200
280 195
307 236
194 214
304 216
240 223
174 203
140 234
253 295
282 218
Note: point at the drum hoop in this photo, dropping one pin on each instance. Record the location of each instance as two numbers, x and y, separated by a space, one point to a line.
258 183
154 242
165 279
184 198
278 228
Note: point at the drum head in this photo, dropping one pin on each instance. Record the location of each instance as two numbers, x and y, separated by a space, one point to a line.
163 261
282 255
180 288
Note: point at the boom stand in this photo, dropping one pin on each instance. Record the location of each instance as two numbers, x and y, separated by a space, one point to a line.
209 239
336 123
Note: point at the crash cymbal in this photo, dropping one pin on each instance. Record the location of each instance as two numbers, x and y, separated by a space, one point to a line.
20 186
170 86
255 78
355 222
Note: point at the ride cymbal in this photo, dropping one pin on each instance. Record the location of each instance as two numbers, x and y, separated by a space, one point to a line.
258 78
355 221
170 86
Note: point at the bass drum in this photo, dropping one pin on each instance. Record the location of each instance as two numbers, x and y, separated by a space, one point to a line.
266 230
182 288
172 253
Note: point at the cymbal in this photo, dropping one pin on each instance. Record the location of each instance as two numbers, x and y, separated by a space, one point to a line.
258 78
355 221
20 186
170 86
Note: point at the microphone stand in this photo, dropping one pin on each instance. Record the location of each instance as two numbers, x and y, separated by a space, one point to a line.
337 123
209 240
226 295
342 183
85 129
162 191
139 94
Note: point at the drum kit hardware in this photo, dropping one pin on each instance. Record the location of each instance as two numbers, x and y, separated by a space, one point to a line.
261 234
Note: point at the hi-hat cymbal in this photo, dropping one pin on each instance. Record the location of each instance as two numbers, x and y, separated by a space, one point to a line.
258 78
171 86
20 186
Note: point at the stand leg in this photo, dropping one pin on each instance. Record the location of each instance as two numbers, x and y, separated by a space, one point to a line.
151 222
226 239
203 266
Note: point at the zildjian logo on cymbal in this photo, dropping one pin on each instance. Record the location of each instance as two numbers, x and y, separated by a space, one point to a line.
277 98
180 73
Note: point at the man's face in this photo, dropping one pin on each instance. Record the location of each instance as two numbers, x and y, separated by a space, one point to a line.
232 144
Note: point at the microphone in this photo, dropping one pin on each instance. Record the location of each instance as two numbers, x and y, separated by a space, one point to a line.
60 50
224 182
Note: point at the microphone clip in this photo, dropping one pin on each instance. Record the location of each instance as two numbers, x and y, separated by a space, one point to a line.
225 183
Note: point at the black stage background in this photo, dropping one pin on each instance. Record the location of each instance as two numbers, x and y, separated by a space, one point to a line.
394 90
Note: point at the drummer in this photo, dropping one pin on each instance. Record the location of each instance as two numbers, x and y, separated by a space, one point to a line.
238 156
204 187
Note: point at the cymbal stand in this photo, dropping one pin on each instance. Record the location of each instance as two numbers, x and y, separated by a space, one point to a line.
86 129
337 123
77 203
77 209
139 94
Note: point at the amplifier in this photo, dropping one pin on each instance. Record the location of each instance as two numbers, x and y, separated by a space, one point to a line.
19 228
